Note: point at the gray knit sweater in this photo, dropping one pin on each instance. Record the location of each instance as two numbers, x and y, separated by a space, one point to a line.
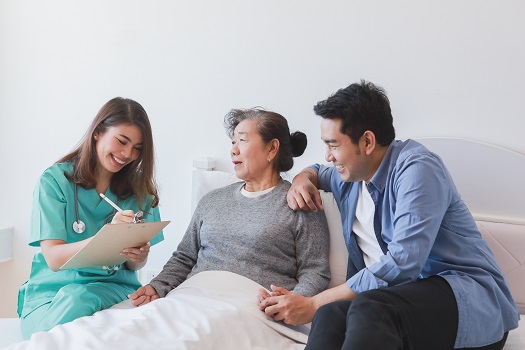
260 238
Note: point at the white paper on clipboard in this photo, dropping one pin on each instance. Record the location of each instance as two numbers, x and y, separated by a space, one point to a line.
105 247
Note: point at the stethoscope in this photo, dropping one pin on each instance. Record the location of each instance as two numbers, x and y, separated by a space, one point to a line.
78 225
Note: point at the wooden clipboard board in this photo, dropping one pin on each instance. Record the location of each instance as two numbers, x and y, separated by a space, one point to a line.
105 247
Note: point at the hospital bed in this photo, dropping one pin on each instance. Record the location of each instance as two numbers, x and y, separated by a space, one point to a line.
217 309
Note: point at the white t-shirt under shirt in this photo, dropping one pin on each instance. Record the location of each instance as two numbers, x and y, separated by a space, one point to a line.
364 227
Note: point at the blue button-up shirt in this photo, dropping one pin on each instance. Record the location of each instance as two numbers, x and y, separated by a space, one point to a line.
425 229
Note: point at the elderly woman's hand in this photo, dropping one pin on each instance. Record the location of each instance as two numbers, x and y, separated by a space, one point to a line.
288 307
143 295
264 294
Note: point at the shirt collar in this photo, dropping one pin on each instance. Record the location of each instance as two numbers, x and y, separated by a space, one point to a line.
378 180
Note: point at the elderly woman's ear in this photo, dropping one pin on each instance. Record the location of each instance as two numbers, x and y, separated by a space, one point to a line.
273 149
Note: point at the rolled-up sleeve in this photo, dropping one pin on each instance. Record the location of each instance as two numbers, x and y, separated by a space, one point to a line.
324 176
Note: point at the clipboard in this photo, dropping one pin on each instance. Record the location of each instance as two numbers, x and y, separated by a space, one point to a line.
105 247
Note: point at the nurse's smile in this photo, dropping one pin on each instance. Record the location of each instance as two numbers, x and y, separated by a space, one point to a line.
121 162
118 146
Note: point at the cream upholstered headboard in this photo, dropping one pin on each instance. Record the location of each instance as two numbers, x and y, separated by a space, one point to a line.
490 181
489 178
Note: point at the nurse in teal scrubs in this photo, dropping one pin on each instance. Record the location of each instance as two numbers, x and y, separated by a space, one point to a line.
115 158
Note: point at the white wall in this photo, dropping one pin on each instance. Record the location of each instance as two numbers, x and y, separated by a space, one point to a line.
452 68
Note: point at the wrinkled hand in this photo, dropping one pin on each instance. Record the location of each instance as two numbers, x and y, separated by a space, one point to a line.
263 294
123 217
303 195
143 295
288 307
137 255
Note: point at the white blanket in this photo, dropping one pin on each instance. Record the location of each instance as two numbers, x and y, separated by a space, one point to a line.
211 310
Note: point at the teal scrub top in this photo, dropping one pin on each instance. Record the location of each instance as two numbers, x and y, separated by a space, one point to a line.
52 217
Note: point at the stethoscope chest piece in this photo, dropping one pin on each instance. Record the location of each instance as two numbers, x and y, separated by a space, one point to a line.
79 226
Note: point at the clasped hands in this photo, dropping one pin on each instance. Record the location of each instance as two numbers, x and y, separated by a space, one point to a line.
286 306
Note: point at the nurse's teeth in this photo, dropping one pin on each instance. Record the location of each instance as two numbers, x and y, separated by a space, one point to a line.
118 160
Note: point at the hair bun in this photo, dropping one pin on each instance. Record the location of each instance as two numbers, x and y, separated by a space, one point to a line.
298 142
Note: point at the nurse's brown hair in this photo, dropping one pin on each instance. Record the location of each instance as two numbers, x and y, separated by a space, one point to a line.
135 179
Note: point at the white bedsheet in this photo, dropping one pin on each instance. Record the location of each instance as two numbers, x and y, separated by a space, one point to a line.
211 310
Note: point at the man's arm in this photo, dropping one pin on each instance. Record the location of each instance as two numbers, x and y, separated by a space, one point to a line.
296 309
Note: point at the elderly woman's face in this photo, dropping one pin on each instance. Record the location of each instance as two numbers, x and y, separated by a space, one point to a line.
249 153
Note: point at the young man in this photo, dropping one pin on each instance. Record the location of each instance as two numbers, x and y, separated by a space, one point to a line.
419 274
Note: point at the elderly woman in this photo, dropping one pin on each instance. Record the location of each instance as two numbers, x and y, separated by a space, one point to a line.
247 227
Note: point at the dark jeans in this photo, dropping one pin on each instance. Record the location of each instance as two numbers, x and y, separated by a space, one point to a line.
421 315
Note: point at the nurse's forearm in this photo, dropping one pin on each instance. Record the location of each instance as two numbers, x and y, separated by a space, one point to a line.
57 252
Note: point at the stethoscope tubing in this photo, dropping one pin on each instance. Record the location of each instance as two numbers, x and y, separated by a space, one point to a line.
78 225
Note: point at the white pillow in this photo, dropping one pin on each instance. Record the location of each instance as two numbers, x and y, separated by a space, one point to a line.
507 242
205 181
338 251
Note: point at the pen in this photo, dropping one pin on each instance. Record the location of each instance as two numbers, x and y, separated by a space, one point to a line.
110 202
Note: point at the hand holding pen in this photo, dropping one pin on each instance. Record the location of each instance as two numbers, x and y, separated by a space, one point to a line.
124 216
137 254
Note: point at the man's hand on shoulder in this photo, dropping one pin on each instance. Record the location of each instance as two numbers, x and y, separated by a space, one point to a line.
303 194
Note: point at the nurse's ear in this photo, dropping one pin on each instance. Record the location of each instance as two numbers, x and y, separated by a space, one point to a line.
95 136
